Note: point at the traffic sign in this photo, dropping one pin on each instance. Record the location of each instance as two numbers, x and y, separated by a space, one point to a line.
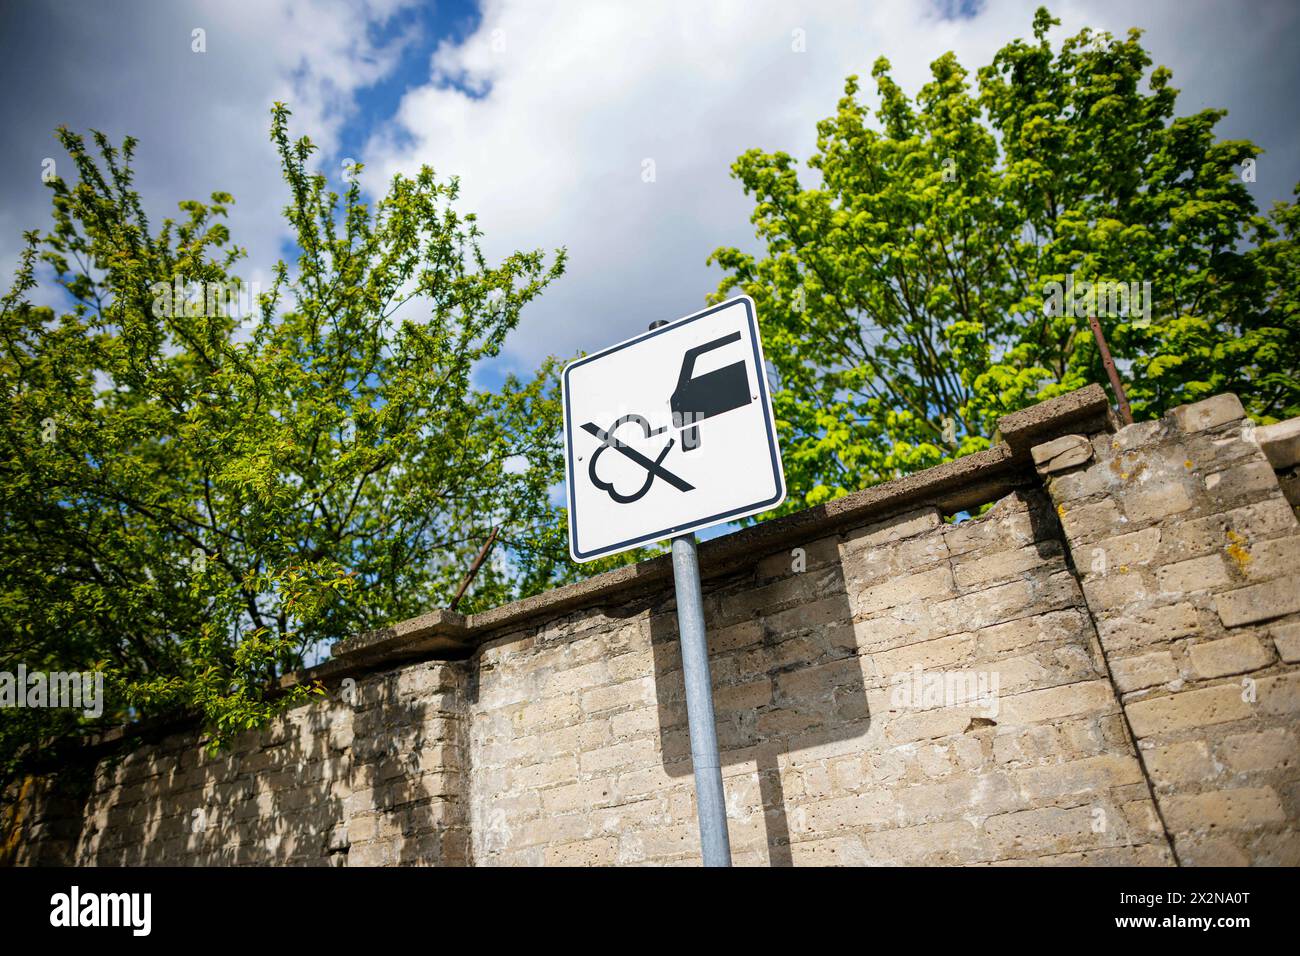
670 432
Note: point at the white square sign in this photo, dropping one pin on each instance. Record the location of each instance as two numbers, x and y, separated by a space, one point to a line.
670 432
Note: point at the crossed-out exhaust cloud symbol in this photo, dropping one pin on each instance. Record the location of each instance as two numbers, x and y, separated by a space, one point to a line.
653 468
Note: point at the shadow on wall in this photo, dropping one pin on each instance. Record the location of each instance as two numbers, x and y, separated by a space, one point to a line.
406 790
369 776
272 797
786 675
40 816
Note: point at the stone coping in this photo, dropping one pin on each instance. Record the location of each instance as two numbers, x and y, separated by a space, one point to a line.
952 486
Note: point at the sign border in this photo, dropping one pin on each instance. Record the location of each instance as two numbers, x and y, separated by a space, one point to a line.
778 469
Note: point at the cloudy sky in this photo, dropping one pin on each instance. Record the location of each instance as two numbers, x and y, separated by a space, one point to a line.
549 111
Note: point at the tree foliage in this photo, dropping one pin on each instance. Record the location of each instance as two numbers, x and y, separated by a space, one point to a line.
194 499
907 299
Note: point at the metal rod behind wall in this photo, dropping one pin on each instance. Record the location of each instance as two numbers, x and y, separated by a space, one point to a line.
473 568
1125 413
715 844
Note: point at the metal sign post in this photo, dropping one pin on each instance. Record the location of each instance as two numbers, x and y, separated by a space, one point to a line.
666 434
710 803
710 799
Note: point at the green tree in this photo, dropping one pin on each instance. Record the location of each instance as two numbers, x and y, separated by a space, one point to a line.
194 496
907 298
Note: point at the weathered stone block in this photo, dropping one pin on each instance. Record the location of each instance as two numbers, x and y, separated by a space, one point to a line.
1111 592
1068 451
1146 670
1009 524
1060 628
851 811
981 570
1267 559
947 842
1156 500
1251 523
822 614
1195 574
1279 694
799 559
935 584
1266 750
1004 602
1084 776
1071 486
1286 637
1237 809
1187 710
940 654
1046 830
562 769
598 792
1180 763
907 556
899 625
632 693
1054 703
1208 413
1280 443
630 753
599 852
1124 550
894 529
1137 435
1254 479
1090 522
565 709
1202 850
1230 655
1259 602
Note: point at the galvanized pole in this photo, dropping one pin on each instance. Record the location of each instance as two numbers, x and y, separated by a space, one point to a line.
709 799
710 803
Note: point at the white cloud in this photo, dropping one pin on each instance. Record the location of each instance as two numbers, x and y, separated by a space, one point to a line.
202 119
567 100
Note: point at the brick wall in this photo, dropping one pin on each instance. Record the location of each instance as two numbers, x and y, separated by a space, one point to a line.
578 732
1101 669
370 777
1190 558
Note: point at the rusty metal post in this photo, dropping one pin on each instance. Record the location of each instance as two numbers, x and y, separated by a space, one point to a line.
1125 413
473 569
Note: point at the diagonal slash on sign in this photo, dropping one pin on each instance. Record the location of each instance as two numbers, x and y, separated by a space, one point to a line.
653 467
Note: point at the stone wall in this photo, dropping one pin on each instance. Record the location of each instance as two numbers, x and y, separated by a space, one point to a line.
1190 560
578 730
373 776
1099 669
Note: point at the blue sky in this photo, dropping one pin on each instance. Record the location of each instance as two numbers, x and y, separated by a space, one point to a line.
425 25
